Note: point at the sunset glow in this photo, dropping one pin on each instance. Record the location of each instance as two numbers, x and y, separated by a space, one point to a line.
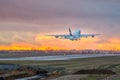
49 43
24 24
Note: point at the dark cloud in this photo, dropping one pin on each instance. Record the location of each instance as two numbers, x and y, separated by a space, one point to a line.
44 10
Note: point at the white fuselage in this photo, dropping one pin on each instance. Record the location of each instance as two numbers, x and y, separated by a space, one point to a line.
75 35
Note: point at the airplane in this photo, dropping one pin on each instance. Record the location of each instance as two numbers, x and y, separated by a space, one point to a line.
76 35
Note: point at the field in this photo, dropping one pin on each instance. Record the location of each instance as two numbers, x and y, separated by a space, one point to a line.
70 66
73 64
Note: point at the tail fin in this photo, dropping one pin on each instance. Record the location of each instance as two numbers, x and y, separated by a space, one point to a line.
70 32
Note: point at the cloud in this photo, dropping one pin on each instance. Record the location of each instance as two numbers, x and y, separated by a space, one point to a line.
7 38
41 15
22 20
43 10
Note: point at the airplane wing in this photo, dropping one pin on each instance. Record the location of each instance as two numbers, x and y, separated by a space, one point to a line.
89 35
57 36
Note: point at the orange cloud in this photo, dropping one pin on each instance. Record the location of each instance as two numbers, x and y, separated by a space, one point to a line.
84 43
113 44
51 43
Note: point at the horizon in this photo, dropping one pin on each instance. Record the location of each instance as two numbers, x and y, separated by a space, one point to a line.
57 50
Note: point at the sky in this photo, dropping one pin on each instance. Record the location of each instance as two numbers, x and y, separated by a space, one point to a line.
23 24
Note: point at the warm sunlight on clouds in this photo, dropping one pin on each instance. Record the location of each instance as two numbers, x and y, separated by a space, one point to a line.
112 44
23 24
84 43
49 43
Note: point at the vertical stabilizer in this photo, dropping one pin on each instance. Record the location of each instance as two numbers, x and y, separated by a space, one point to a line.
70 32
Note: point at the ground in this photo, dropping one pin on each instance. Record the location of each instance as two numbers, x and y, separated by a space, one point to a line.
67 67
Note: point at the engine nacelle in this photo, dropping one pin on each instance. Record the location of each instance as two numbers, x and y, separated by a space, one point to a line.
65 37
93 36
56 36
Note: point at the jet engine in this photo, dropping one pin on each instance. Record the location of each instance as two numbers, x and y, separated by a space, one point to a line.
65 37
56 36
93 36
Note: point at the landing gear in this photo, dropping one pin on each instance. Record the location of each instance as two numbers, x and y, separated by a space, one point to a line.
56 36
93 36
